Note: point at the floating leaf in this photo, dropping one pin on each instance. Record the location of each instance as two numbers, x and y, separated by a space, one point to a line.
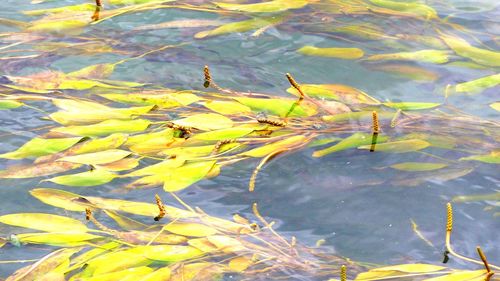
341 53
226 244
186 175
264 7
39 147
95 158
476 275
161 100
411 268
44 222
481 197
57 239
104 128
399 146
58 198
411 105
429 56
241 26
491 158
278 106
338 92
38 170
97 71
359 116
418 166
464 49
441 175
9 104
189 23
90 178
169 253
478 85
352 141
206 121
229 133
279 145
495 106
227 107
94 145
158 168
240 264
190 229
412 8
120 165
73 8
158 275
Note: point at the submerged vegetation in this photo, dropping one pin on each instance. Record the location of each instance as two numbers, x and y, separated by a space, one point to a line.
146 135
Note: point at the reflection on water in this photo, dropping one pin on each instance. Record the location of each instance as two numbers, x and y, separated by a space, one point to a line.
352 199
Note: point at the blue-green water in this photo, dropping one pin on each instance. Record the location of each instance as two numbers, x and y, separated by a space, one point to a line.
340 197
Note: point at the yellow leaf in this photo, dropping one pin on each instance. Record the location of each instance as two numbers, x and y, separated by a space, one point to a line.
95 158
341 53
283 144
411 268
39 147
227 107
44 222
476 275
338 92
186 175
206 121
161 274
240 264
241 26
190 229
428 56
104 128
57 239
226 244
264 7
399 146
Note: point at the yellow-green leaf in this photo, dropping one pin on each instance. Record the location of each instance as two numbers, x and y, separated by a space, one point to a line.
39 147
227 107
278 106
478 85
495 106
241 26
186 175
341 53
90 178
206 121
161 274
338 92
352 141
413 8
95 158
264 7
418 166
399 146
169 253
104 128
429 56
44 222
411 105
65 9
269 148
190 229
229 133
129 274
57 239
491 158
464 49
476 275
411 268
9 104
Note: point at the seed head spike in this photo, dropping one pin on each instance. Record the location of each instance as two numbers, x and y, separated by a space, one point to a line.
449 217
208 78
161 208
295 85
483 258
88 214
98 3
375 122
343 273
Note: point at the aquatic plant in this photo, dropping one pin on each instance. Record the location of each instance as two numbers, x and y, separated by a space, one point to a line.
149 135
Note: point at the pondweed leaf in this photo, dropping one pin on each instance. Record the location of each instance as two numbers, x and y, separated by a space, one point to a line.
478 85
287 143
399 146
476 275
184 176
412 8
206 121
9 104
464 49
278 106
58 198
338 92
359 116
161 100
90 178
428 56
407 71
44 222
441 175
495 106
240 264
74 8
96 158
341 53
264 7
355 140
241 26
97 71
411 268
227 107
37 147
411 105
188 23
158 275
491 158
229 133
133 273
190 229
105 128
37 170
480 197
64 239
158 168
418 166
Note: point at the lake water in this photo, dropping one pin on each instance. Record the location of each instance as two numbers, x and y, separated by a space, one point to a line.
352 198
